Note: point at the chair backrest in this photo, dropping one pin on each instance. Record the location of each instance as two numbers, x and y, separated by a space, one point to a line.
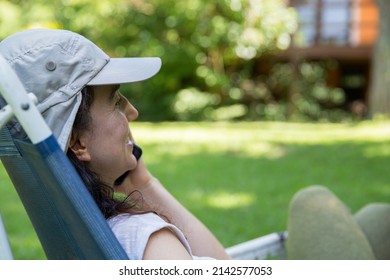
65 217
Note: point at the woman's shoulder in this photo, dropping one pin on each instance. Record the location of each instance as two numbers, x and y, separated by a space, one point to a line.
138 226
143 219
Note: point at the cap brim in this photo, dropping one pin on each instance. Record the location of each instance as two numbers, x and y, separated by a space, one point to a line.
127 70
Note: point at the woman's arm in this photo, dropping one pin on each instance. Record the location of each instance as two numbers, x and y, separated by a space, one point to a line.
203 243
164 245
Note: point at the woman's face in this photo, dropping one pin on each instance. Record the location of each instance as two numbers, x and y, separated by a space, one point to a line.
107 146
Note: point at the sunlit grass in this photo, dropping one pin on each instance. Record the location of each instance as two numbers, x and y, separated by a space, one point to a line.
261 131
250 171
239 178
230 200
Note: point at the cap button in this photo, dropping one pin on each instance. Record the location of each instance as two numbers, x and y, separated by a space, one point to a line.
51 66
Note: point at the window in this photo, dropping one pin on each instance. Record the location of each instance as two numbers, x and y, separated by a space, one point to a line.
336 22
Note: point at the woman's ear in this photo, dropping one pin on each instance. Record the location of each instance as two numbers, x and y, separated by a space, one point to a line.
78 147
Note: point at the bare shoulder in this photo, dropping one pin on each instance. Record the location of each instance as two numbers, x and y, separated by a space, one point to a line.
164 245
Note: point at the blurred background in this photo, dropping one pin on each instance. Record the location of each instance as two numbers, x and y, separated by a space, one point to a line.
255 100
233 59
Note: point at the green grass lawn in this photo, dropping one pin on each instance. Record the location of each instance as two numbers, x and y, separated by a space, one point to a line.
238 178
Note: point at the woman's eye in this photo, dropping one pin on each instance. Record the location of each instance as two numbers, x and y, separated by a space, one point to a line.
118 102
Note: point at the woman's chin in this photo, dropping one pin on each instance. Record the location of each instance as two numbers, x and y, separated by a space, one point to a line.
133 162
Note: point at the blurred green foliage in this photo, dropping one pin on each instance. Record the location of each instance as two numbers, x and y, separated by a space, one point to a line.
210 50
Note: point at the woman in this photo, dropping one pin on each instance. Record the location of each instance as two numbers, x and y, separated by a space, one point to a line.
77 87
105 111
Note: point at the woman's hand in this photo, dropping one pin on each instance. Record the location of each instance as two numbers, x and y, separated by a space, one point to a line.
140 176
136 179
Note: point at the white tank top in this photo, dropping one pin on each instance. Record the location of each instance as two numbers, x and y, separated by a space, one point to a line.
133 232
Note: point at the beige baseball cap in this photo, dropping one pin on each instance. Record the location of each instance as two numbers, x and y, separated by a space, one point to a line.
56 65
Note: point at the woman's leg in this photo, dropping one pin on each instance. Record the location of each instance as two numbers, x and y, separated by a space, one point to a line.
321 227
374 219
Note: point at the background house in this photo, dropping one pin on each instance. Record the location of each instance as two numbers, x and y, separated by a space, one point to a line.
343 31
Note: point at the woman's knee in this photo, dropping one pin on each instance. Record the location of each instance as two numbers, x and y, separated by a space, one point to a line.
320 226
374 220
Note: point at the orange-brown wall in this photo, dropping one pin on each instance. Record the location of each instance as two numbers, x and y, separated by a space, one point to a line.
368 14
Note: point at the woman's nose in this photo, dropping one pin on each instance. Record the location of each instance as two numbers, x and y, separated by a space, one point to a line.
130 111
